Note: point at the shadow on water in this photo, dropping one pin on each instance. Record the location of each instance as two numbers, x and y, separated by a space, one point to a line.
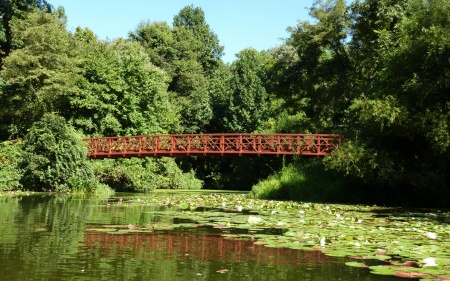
439 216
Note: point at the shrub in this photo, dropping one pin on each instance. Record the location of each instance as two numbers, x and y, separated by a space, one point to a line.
54 158
144 175
10 173
308 180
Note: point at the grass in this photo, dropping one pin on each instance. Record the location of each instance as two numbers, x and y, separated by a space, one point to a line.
309 181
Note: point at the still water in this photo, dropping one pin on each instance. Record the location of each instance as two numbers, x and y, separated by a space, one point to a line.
56 237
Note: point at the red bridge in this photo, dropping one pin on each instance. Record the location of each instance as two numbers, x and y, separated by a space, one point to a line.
212 144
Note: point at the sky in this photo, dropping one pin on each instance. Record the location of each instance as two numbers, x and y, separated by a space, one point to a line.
239 24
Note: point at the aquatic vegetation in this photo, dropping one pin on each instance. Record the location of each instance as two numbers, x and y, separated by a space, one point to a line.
429 262
402 243
254 220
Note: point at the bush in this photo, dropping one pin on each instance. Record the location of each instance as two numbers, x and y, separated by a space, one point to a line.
308 180
144 175
54 158
10 173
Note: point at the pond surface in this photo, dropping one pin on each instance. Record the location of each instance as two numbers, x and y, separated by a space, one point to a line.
62 237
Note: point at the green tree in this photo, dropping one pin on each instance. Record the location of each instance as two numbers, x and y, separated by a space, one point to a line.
40 76
121 92
377 72
248 104
322 71
399 118
10 12
209 50
54 158
158 40
190 53
219 90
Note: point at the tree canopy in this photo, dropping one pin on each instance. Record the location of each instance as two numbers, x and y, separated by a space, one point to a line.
375 71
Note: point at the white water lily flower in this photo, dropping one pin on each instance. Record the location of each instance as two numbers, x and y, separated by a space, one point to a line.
357 244
431 235
301 212
322 241
338 215
239 208
280 223
273 212
359 221
224 204
253 219
429 262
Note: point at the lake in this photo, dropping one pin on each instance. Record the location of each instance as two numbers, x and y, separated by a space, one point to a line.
138 237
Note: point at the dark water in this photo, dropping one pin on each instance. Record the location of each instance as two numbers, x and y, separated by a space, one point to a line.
51 238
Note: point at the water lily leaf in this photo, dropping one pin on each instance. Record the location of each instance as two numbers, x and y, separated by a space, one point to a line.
356 264
379 257
336 254
381 270
184 206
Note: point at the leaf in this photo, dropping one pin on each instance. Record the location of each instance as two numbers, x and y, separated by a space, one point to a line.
356 264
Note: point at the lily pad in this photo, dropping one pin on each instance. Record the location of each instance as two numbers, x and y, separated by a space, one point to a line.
356 264
184 206
360 232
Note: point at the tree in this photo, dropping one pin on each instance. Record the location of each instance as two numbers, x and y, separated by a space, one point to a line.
376 72
399 118
40 76
54 158
209 51
190 53
158 41
13 10
323 68
247 106
121 92
219 90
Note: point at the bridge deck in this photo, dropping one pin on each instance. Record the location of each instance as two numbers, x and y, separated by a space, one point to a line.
175 145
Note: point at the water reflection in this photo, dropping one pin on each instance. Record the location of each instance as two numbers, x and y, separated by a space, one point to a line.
199 246
49 238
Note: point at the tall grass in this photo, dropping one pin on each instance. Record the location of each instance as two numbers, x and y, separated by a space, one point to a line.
308 180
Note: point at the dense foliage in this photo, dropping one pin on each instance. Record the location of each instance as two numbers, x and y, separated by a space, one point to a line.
12 11
377 72
10 159
54 158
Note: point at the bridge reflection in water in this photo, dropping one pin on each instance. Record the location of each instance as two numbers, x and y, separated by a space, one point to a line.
212 144
170 245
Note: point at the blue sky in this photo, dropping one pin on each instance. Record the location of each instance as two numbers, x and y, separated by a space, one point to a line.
239 24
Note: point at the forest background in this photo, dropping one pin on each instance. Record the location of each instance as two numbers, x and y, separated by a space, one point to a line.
377 72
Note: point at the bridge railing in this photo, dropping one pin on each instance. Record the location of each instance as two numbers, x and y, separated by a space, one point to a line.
212 144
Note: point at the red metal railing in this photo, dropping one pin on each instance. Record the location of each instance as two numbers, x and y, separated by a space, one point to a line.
212 144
